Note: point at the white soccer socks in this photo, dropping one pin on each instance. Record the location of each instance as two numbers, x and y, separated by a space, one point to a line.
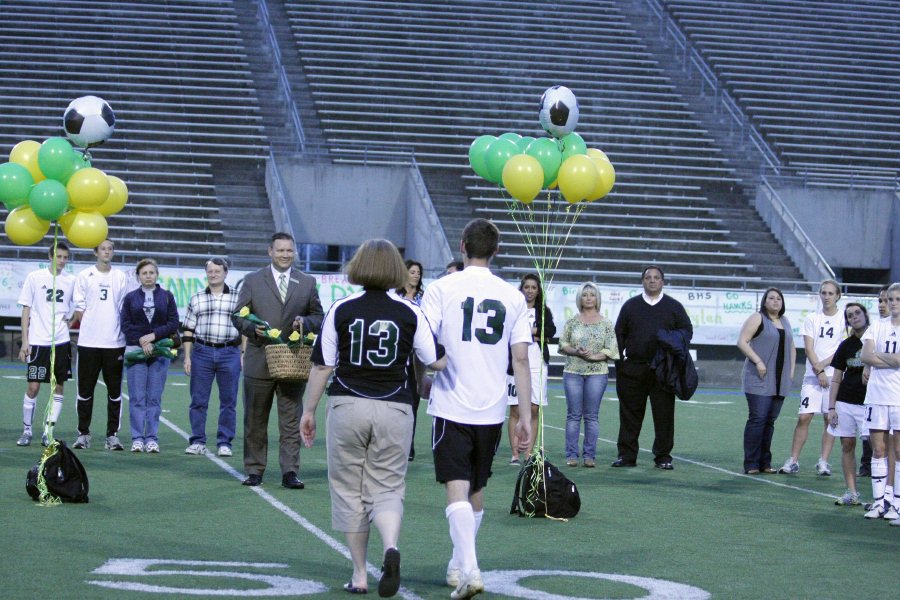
879 478
463 528
27 411
56 409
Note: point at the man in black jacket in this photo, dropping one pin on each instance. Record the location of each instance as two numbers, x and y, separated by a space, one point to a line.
639 321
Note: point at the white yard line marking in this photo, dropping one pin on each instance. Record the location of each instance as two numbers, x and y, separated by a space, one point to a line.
286 510
756 478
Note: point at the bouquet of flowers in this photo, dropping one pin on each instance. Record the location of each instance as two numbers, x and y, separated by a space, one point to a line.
162 348
272 334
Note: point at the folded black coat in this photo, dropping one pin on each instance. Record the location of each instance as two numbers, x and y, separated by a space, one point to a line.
673 364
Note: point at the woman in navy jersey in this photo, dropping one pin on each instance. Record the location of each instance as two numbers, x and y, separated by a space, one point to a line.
366 342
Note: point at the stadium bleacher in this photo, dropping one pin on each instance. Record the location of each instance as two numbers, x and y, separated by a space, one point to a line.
177 76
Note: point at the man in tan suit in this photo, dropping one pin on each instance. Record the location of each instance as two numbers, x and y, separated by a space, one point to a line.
287 299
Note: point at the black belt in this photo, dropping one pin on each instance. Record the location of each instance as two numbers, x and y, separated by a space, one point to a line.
236 342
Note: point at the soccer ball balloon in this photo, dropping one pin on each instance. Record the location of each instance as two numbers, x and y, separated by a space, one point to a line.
89 121
559 111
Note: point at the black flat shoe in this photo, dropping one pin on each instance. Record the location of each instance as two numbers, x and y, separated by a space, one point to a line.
252 480
665 466
289 480
352 589
390 574
621 462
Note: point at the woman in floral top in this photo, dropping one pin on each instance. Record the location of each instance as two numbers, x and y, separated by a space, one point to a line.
588 342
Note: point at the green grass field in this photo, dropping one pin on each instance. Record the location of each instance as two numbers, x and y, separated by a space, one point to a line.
179 526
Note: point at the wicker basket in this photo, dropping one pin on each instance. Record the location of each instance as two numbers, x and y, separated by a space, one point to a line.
287 363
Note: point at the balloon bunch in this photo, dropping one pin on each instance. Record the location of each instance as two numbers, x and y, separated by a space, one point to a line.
52 181
525 165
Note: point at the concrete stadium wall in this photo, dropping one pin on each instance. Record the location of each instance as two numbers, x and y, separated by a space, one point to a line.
347 204
851 228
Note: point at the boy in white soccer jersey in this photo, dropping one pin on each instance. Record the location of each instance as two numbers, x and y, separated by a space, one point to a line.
479 319
822 334
99 291
46 302
881 351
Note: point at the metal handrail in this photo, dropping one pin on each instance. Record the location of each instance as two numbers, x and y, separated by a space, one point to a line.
817 260
293 113
285 223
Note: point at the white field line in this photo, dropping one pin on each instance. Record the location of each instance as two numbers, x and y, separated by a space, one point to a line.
755 478
286 510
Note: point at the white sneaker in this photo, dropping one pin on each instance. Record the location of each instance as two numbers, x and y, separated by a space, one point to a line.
195 449
113 443
472 585
895 523
891 513
790 467
453 575
24 439
82 441
877 511
848 499
153 447
822 468
224 451
137 446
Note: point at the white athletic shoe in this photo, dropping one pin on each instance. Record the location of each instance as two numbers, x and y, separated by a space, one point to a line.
790 467
45 440
891 513
113 443
225 451
848 499
877 511
137 446
895 523
152 447
453 575
195 449
82 441
24 439
823 468
472 585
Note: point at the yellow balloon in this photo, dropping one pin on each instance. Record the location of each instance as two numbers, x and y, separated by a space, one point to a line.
25 153
597 153
24 228
86 229
66 221
118 196
606 178
88 188
577 177
523 177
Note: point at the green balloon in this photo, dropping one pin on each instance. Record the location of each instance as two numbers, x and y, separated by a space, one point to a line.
56 158
49 199
477 152
497 154
15 183
523 143
511 136
572 144
548 155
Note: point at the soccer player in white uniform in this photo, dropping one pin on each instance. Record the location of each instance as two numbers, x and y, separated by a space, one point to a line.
822 333
99 291
881 351
46 302
480 320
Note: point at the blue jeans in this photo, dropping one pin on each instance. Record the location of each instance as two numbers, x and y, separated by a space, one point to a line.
146 382
763 410
583 396
224 366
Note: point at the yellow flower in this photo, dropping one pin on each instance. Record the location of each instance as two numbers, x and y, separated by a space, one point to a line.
294 336
311 337
273 333
244 311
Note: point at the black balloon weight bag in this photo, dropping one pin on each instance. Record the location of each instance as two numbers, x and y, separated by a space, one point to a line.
64 477
543 491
